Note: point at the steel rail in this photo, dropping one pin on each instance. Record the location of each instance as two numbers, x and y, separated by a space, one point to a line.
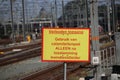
20 56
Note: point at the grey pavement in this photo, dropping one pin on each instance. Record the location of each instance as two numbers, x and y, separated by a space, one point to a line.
18 70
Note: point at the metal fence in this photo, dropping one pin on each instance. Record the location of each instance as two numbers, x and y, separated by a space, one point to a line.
108 59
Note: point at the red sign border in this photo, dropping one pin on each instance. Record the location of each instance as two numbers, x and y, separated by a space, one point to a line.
42 55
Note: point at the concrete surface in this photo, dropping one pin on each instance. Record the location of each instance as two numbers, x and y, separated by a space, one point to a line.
18 70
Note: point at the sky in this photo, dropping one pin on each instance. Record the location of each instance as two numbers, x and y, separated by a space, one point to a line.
32 8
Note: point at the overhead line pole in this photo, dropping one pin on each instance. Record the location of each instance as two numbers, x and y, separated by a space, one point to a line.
23 27
95 33
51 15
12 24
113 15
86 5
108 15
94 22
63 12
55 13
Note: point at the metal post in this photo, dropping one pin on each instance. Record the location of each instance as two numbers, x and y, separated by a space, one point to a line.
31 25
51 15
55 13
5 31
23 27
105 19
78 16
94 30
108 14
113 15
27 17
65 71
63 13
12 25
18 29
94 23
71 21
86 6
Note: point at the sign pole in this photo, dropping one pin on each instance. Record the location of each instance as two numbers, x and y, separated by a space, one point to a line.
65 71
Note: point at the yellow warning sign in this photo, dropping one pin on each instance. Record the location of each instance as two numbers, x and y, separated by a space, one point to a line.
66 44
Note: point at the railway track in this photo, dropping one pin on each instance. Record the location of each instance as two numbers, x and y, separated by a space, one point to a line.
54 73
19 46
15 50
19 56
